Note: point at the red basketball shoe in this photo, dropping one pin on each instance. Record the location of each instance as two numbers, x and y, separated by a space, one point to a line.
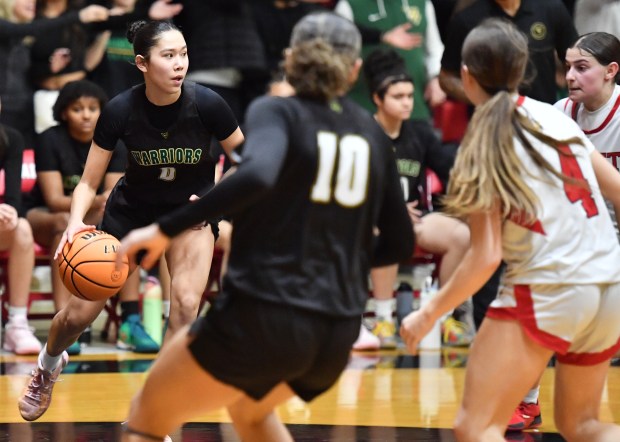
526 416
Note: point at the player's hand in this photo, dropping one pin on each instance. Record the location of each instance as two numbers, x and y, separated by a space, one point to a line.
73 228
163 10
147 239
414 213
94 13
8 218
203 224
400 37
414 327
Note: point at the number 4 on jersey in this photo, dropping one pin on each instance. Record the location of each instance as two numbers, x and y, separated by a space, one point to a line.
570 167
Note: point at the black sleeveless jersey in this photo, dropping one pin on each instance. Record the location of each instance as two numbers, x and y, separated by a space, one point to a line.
314 181
166 165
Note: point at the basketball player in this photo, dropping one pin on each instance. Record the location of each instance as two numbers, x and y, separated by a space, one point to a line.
417 148
593 101
166 125
532 186
317 176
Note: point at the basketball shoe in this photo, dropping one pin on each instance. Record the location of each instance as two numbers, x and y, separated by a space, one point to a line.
133 336
37 395
366 340
385 330
20 339
525 416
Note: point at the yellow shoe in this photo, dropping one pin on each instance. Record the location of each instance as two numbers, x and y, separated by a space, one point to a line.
385 330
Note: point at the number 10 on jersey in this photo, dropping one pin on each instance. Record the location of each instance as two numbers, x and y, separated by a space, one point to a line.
349 158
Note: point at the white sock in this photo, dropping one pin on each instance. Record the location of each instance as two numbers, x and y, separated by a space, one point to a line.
47 362
384 308
165 306
18 313
532 396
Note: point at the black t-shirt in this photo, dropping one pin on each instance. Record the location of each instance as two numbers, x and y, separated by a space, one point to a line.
57 151
547 25
417 148
313 182
168 146
11 163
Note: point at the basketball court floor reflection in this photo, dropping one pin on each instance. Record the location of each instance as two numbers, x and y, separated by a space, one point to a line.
381 396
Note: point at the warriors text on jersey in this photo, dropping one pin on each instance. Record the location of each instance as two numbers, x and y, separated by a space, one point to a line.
168 146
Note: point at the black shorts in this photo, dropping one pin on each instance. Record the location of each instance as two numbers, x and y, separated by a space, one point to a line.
122 216
255 345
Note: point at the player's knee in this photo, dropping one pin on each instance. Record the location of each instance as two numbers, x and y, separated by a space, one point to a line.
187 303
60 222
23 235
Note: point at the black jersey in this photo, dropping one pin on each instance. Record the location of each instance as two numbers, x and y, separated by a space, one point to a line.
57 151
167 161
417 148
11 153
313 182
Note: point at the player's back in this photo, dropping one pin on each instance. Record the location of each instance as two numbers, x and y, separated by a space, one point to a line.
311 234
572 239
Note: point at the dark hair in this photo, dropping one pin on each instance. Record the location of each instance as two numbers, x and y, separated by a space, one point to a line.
75 90
604 47
143 35
383 68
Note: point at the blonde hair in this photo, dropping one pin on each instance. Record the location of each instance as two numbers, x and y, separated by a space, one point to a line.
6 10
488 169
316 70
324 48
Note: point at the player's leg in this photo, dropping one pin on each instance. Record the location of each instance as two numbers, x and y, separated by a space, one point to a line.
580 375
442 235
66 327
19 337
383 282
577 402
257 420
503 364
48 229
176 389
189 262
223 243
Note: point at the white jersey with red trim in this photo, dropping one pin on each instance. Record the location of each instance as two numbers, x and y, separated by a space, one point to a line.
572 240
602 126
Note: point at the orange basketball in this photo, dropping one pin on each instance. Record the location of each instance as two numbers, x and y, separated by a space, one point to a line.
87 267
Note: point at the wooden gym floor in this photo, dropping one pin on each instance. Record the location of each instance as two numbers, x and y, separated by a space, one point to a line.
382 396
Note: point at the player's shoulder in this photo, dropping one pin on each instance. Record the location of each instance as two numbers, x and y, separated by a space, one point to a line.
553 120
121 103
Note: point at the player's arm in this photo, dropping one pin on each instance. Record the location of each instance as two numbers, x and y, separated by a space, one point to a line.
608 179
85 192
480 261
395 242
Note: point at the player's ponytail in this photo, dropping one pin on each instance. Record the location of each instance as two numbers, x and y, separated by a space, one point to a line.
488 168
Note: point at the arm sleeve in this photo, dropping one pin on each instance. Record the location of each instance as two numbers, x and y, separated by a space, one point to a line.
264 153
215 113
395 242
9 29
111 122
13 170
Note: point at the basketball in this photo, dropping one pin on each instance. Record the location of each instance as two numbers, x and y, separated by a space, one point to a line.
88 266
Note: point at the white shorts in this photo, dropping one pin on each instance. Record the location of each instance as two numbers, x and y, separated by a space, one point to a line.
580 323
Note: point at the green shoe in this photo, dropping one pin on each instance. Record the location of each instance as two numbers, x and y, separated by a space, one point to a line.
132 336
